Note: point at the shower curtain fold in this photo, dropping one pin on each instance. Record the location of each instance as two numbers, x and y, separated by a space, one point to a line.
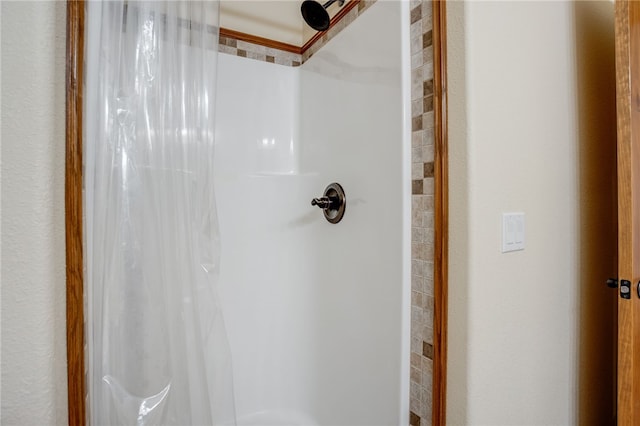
157 347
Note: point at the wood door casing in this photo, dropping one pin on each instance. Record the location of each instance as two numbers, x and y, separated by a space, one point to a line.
441 213
628 117
73 214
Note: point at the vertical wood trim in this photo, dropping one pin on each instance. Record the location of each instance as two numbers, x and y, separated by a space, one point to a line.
624 196
624 403
634 229
439 409
73 213
627 23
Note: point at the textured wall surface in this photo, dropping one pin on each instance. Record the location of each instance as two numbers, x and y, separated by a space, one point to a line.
514 146
33 248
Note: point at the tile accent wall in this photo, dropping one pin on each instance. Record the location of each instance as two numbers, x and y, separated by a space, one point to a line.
422 211
422 185
245 49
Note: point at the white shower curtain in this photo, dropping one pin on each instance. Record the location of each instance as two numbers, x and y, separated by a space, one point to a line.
157 348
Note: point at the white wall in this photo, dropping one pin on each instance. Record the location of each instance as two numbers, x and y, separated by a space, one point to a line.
513 147
33 243
263 203
352 132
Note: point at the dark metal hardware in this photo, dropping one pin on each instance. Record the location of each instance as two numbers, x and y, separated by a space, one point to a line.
324 202
612 283
316 15
638 288
625 289
333 203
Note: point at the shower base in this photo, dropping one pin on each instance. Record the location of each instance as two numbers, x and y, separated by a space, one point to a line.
276 418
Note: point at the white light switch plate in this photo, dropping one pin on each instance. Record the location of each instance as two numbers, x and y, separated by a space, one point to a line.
512 232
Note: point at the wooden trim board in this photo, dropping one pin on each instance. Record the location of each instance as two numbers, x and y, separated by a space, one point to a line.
627 24
440 264
73 213
261 41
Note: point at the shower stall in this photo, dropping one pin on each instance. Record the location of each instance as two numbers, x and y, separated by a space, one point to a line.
316 314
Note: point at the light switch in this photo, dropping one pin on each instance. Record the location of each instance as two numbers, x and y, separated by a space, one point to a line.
512 232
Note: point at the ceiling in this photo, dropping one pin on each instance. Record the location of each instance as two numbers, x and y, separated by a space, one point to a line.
274 19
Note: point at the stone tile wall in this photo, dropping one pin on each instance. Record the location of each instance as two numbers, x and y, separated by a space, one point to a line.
258 52
422 228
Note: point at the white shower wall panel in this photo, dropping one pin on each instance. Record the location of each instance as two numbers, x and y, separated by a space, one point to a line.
257 118
352 133
314 311
262 207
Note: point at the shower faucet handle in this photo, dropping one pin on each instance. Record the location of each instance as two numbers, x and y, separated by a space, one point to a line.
322 202
332 202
